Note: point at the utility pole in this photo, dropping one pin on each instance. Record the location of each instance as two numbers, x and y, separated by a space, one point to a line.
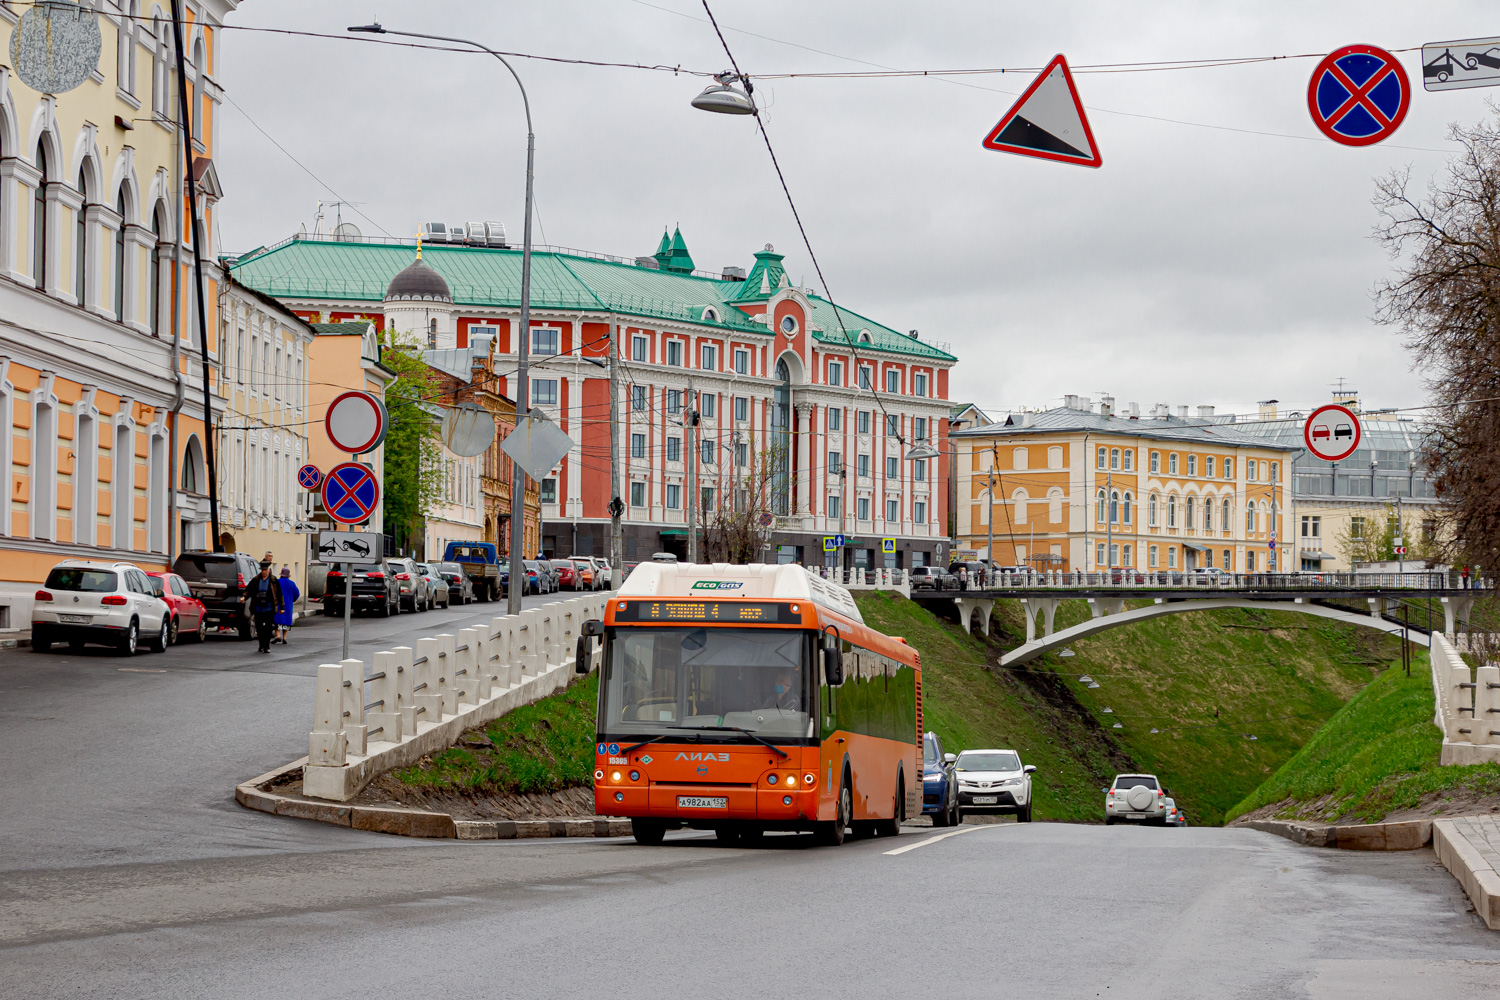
1109 521
689 426
616 502
989 554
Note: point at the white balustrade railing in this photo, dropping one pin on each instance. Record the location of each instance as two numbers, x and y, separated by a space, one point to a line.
422 698
1468 704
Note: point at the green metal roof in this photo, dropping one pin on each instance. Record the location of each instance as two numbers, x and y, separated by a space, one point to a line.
355 328
322 268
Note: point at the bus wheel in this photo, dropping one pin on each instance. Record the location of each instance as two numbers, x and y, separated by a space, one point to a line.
648 831
892 827
831 834
727 835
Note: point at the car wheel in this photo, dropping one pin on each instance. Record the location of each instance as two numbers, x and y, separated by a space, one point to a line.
172 629
164 636
954 819
648 831
202 634
40 644
940 818
831 833
1024 816
1109 821
130 641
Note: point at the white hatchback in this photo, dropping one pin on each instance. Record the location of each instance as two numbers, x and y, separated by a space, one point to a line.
109 604
1135 798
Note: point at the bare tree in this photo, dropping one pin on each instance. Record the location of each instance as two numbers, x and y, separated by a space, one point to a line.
1445 297
737 527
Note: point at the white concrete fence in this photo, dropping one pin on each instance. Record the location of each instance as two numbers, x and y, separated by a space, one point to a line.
420 700
1468 704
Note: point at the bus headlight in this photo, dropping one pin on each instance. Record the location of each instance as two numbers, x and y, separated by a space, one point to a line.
614 776
791 779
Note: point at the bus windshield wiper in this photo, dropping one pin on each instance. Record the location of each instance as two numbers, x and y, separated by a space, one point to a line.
649 739
737 729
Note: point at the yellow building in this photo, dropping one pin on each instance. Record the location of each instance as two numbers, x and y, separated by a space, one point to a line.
101 401
1081 488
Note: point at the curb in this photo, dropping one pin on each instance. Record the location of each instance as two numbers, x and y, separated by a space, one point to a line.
1403 835
1468 863
252 794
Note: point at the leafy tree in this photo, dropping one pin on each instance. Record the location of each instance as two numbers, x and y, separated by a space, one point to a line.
413 449
1445 297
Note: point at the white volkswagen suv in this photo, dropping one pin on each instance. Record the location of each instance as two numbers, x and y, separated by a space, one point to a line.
1135 798
993 781
110 604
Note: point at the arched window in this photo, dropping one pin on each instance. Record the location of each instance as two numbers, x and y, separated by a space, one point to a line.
1019 501
1151 521
1101 458
1208 515
1114 459
1171 511
192 472
39 221
120 258
153 291
1249 518
1226 522
1054 505
125 63
200 90
81 240
159 71
781 439
1126 515
1114 507
1188 512
1099 507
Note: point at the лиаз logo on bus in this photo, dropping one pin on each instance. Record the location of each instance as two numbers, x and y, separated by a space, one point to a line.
718 585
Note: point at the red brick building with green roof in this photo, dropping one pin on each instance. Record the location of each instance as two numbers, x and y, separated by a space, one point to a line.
772 367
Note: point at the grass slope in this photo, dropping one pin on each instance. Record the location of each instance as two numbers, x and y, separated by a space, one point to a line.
1378 755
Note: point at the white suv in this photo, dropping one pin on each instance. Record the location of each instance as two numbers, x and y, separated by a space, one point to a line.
993 781
1135 798
110 604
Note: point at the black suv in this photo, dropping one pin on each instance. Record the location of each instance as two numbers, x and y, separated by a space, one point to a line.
375 587
218 580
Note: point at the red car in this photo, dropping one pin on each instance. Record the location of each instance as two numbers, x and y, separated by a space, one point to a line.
567 576
188 614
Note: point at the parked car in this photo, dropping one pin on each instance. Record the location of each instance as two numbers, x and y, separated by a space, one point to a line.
926 577
939 782
583 573
1212 576
993 781
567 576
479 562
189 616
409 584
460 585
1135 798
436 586
603 572
108 604
218 580
538 577
1174 815
504 576
554 572
373 587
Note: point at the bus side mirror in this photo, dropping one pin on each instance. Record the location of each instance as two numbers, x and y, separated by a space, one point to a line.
581 654
833 667
593 626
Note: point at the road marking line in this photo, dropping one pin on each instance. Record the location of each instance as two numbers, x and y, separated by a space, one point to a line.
141 670
933 840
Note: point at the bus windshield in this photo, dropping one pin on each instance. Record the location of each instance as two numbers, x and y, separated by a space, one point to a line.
659 681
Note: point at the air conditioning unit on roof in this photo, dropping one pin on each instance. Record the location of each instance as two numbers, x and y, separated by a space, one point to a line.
434 232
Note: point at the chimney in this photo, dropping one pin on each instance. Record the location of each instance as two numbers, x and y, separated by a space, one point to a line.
1205 412
1182 412
1073 402
1107 406
1135 410
1268 409
1026 419
1347 397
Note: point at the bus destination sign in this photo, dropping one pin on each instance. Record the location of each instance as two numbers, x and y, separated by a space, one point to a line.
728 612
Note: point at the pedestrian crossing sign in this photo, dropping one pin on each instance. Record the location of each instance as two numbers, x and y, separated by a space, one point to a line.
829 544
888 546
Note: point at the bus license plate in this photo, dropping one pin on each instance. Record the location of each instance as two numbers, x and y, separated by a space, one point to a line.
986 800
701 802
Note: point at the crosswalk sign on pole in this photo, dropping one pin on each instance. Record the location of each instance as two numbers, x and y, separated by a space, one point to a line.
1048 121
888 546
829 544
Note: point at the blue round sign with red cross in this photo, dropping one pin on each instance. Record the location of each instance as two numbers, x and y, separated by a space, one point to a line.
1358 95
309 476
350 493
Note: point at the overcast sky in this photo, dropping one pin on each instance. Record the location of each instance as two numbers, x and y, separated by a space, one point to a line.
1198 265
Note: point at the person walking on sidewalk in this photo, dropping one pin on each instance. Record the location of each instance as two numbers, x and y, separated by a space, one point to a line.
289 595
263 599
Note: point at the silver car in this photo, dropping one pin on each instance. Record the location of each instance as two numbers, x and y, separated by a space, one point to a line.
409 585
1135 798
436 586
108 604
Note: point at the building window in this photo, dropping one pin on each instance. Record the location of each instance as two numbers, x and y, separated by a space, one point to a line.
862 509
893 510
1151 511
637 446
1250 562
1098 553
708 357
674 401
1208 557
638 348
1114 554
708 451
544 391
1156 461
862 466
1171 557
1171 511
1189 508
741 408
892 467
1208 466
549 490
835 419
1101 458
863 422
742 362
1126 512
919 384
708 405
638 397
864 376
1226 519
1356 528
1192 465
544 340
706 498
1151 557
892 381
892 425
1313 526
1099 507
1249 518
833 505
39 222
119 281
1228 468
835 373
1114 507
1114 459
919 428
674 449
1172 464
1208 514
1128 554
674 496
1128 460
919 470
1274 473
835 462
919 512
1054 505
742 454
1251 469
674 353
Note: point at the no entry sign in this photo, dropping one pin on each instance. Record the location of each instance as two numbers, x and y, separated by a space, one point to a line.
356 422
350 493
1332 432
1358 95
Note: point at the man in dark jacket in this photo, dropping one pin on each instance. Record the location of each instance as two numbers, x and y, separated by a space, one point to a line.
263 599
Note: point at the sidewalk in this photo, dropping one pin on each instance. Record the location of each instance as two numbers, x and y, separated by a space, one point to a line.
21 638
1469 847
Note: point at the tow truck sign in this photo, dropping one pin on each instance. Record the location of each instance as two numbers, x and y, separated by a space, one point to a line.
1332 432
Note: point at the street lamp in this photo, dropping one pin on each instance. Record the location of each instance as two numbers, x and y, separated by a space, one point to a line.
523 384
723 98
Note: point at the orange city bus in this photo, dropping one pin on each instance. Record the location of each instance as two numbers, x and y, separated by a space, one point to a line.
742 699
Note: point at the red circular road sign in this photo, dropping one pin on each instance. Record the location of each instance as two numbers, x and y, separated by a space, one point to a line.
1358 95
309 476
1332 432
350 493
356 422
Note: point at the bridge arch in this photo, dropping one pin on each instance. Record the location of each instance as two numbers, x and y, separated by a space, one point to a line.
1038 646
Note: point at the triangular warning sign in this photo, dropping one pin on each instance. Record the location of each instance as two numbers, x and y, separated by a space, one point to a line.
1048 121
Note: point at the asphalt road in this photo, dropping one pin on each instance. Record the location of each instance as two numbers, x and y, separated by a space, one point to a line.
108 760
1039 910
